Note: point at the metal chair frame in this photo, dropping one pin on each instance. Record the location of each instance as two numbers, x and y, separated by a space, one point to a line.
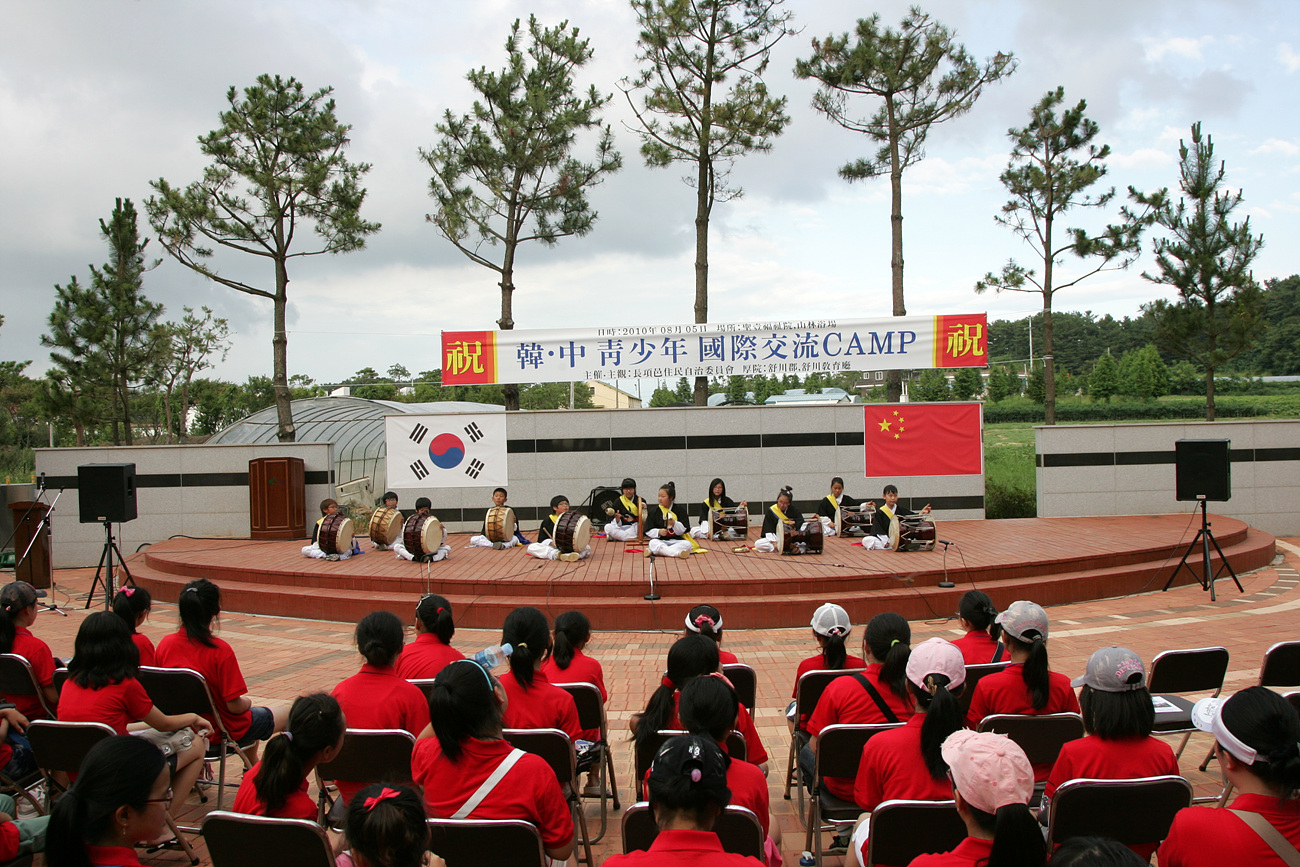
591 715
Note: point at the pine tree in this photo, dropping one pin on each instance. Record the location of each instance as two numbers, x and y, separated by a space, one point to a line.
1104 379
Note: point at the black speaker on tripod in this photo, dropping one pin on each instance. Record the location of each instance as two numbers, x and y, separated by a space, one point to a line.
106 492
1203 470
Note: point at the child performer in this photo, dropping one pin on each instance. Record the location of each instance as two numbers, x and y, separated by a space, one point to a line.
482 541
327 507
423 506
545 547
779 513
832 503
667 534
623 516
716 501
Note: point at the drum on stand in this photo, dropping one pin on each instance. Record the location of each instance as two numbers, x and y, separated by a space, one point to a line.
855 520
732 520
499 525
385 525
422 535
335 536
913 533
572 532
807 541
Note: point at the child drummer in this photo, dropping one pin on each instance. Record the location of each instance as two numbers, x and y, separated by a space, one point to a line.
390 502
888 512
624 514
516 538
545 547
327 507
423 506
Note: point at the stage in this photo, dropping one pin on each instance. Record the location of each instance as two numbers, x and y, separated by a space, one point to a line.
1049 560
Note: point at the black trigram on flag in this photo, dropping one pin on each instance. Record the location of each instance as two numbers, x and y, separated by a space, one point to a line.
475 467
420 470
417 436
472 431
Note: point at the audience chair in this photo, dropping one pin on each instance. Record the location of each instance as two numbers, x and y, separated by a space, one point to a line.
425 685
62 747
973 675
60 678
742 677
591 715
17 678
237 839
807 691
644 756
474 842
1041 736
902 830
555 747
738 829
839 749
1182 671
1134 812
183 690
368 756
1294 698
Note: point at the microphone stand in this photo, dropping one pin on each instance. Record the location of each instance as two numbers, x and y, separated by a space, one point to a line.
44 522
652 596
945 583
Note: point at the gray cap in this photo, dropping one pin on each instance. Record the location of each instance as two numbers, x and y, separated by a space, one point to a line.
18 595
831 619
1024 617
1113 669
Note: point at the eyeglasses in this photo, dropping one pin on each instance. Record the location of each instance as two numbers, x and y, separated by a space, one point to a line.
165 799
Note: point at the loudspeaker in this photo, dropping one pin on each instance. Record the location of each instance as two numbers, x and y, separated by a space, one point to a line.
602 498
106 492
1204 471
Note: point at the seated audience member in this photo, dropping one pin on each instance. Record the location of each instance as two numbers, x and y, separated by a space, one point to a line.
19 836
625 514
387 827
831 627
533 701
423 507
1257 742
688 791
16 759
886 514
327 508
133 605
665 529
568 663
118 801
277 785
480 539
976 615
992 783
464 746
1094 852
194 646
713 504
18 610
1118 717
545 548
707 621
424 657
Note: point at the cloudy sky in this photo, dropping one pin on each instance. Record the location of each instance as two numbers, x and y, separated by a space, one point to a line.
99 98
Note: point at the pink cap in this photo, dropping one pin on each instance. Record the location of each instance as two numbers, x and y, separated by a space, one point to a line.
936 656
989 770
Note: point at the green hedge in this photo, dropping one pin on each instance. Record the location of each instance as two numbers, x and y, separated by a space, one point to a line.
1225 407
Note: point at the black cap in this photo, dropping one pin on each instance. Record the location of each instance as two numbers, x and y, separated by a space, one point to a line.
696 758
19 595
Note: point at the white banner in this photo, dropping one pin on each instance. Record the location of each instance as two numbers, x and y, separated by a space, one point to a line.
446 451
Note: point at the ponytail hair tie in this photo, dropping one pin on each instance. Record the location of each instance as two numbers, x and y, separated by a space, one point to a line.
695 775
128 592
383 795
523 644
288 735
892 643
439 611
668 682
702 620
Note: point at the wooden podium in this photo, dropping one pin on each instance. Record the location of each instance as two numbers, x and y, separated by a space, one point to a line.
277 499
36 570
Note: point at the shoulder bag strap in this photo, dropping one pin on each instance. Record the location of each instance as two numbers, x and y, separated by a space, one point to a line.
1270 835
997 654
885 709
488 785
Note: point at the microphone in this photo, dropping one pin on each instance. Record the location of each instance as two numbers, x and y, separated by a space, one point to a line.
945 542
40 482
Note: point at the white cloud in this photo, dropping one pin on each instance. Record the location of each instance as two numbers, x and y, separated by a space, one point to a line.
1175 46
1288 57
1142 158
1277 146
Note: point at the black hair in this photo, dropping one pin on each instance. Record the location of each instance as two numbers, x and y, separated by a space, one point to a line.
674 786
708 498
502 490
1266 722
315 723
103 652
423 503
129 603
671 488
628 483
1017 836
389 495
527 633
837 480
463 704
889 489
977 609
379 637
326 503
435 613
706 619
690 656
119 771
393 831
557 499
709 706
1095 852
943 716
787 491
8 631
1035 670
889 639
572 629
1114 715
199 602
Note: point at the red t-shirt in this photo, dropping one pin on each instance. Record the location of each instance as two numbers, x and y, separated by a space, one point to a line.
583 669
145 646
726 657
218 667
298 805
38 655
1210 837
542 706
8 841
376 698
969 853
846 701
1096 758
117 704
529 790
978 648
424 657
1005 692
112 856
754 752
892 767
817 662
685 848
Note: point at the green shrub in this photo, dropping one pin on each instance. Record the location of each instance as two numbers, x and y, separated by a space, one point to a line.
1010 484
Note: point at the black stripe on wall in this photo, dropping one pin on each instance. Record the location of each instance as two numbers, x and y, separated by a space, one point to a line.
194 480
1106 459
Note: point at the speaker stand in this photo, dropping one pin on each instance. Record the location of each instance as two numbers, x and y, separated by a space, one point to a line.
1204 538
106 559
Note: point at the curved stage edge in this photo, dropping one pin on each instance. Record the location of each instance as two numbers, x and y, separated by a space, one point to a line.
1049 560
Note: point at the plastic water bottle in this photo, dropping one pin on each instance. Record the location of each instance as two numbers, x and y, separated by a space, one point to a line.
491 657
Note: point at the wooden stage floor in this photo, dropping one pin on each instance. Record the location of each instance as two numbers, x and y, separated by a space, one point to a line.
1049 560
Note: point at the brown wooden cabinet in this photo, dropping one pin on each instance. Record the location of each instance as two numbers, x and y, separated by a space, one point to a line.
277 498
36 569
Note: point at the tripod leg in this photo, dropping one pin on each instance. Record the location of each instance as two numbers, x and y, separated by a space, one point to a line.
1183 562
96 580
1205 562
1225 563
121 561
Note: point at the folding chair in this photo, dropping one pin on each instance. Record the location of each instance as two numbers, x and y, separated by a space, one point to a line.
1041 736
1201 669
17 678
425 685
807 691
367 756
973 675
1294 698
62 746
555 747
237 839
902 830
645 754
738 829
183 690
474 842
591 715
742 677
839 749
1135 812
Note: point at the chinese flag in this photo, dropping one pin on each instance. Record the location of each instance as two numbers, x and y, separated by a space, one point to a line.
924 439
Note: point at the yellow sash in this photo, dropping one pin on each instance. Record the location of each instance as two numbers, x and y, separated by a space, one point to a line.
889 513
633 509
780 514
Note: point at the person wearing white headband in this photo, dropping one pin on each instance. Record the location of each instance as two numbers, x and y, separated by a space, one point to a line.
707 621
1256 734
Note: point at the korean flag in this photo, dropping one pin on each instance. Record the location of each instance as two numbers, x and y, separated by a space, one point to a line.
446 451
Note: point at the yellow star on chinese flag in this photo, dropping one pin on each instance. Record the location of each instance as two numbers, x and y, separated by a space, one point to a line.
884 425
